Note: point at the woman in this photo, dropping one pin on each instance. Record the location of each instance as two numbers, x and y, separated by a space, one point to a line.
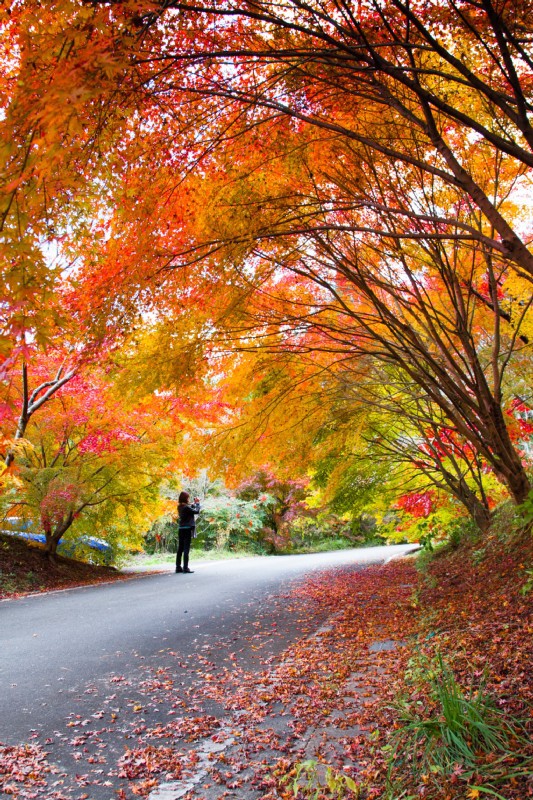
187 529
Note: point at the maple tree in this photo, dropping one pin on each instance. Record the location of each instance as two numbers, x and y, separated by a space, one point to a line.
66 134
434 90
419 305
407 430
92 463
413 234
346 187
364 429
284 498
32 400
233 523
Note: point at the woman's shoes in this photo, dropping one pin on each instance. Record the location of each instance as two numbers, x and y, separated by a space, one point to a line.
191 571
179 569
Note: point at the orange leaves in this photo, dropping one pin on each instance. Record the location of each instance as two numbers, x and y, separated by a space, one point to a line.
148 761
318 209
25 765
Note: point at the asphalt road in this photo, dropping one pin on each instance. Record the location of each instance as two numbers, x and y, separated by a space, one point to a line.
71 655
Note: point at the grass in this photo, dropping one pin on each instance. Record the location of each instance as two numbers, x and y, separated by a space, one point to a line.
146 560
329 544
455 735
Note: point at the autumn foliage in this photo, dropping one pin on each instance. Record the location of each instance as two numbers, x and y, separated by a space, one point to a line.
261 234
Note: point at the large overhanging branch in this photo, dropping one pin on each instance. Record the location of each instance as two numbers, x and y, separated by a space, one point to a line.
31 403
352 48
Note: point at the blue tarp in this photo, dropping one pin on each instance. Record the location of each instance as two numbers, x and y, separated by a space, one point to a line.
88 541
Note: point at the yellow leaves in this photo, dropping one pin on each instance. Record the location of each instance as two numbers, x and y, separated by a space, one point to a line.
3 476
517 294
473 794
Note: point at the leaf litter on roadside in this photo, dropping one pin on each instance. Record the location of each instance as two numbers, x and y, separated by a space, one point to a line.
239 715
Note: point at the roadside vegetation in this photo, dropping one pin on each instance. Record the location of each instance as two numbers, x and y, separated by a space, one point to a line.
25 570
440 648
464 707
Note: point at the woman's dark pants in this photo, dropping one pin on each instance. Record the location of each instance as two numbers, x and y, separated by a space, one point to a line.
184 545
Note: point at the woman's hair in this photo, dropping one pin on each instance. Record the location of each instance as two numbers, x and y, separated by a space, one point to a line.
183 499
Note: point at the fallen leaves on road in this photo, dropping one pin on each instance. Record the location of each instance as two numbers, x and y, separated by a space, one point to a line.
237 716
148 761
24 765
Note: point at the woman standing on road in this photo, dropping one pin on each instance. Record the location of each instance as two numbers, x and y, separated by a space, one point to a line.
187 529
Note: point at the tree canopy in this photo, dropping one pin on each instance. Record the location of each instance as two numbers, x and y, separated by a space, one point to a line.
295 233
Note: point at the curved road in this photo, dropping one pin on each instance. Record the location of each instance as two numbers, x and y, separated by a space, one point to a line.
61 653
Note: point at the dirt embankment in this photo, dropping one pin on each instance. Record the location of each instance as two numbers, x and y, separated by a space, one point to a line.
24 568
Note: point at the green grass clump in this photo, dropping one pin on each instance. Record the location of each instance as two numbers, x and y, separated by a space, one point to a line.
454 735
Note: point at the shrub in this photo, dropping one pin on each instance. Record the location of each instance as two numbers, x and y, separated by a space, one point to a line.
233 524
162 536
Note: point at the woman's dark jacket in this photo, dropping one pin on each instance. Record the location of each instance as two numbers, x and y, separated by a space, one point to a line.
186 515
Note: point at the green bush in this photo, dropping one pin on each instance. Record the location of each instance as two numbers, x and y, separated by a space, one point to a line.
316 781
225 522
331 532
162 536
233 524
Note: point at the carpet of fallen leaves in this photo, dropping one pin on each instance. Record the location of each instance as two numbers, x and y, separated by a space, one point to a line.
25 569
471 600
237 725
474 607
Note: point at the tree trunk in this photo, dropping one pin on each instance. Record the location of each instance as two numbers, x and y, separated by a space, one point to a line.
478 509
479 512
51 544
518 484
509 467
54 537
